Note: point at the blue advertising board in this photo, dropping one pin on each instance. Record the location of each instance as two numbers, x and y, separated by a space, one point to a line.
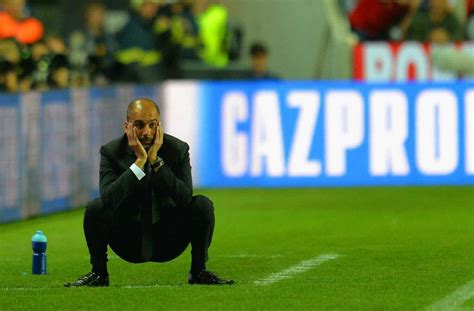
303 134
49 146
241 134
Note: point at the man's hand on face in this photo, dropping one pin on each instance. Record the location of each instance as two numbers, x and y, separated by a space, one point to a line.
136 145
153 152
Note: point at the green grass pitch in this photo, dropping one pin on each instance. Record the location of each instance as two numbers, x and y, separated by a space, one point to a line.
401 248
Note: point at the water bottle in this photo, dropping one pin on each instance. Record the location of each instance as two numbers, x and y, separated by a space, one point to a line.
39 243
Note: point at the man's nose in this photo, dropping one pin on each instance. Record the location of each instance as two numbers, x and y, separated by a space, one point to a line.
147 130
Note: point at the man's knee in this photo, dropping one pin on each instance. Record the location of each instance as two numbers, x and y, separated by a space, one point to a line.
202 206
95 210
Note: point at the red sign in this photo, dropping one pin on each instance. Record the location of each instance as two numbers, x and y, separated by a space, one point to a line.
408 61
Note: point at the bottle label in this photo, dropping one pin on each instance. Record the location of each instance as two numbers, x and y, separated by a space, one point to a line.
39 264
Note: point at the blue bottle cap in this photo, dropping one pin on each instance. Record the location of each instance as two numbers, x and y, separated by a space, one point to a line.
39 237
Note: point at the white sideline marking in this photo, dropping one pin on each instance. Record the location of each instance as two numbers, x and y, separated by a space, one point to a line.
297 269
455 300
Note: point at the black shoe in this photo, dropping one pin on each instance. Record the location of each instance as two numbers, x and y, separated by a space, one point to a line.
207 278
90 279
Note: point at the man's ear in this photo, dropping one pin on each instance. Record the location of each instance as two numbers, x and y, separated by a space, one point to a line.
125 126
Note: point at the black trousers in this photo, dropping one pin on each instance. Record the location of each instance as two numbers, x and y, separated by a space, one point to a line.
171 235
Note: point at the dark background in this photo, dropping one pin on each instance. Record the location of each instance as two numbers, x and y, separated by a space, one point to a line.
60 17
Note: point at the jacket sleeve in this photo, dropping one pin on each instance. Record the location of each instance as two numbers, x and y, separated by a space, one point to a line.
178 185
115 189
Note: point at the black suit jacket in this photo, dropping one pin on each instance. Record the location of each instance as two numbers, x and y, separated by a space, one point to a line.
124 194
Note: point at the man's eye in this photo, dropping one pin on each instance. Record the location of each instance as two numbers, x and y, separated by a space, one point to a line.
153 125
139 125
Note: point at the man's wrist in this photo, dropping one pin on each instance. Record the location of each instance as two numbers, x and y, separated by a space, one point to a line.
152 161
157 164
140 163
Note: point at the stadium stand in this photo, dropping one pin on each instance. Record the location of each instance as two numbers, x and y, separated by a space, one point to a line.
156 41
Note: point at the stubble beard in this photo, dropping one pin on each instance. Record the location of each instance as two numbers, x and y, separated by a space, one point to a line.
146 142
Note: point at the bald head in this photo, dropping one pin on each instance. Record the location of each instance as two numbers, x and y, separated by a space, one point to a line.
142 105
144 115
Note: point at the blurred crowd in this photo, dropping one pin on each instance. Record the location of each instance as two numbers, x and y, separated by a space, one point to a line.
157 37
435 21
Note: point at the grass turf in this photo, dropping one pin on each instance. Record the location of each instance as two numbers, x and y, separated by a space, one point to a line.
401 249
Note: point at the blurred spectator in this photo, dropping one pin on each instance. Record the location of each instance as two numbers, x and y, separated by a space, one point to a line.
373 19
214 33
56 45
196 31
45 66
187 29
9 51
38 65
39 50
470 20
169 28
438 24
25 75
15 24
259 63
11 54
92 48
179 34
8 77
139 43
59 74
